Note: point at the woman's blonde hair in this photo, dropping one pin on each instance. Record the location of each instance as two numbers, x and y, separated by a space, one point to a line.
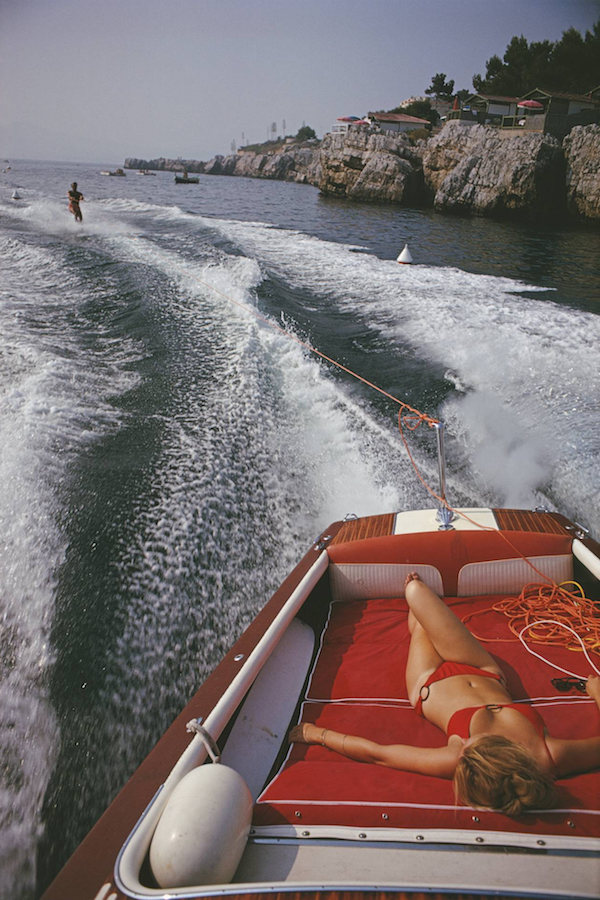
495 773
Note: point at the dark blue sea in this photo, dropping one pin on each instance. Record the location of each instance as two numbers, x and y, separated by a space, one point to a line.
166 454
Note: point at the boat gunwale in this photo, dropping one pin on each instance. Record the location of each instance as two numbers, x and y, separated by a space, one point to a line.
116 823
139 839
84 866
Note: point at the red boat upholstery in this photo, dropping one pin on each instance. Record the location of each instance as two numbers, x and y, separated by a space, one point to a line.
357 686
452 553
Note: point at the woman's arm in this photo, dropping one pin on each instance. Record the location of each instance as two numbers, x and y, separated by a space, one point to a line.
440 761
573 756
583 755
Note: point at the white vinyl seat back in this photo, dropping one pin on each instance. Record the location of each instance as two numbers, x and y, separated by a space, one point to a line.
370 581
509 576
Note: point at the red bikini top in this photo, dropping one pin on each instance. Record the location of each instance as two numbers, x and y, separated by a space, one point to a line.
460 722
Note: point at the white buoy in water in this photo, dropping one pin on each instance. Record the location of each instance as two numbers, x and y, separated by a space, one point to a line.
405 256
16 195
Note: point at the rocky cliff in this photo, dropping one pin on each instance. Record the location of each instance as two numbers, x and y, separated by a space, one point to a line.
464 169
284 162
364 165
582 154
489 172
291 162
164 164
470 170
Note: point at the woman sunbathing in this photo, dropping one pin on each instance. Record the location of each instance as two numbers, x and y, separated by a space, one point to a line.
498 753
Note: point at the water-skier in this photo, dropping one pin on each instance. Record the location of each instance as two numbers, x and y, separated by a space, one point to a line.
498 753
75 198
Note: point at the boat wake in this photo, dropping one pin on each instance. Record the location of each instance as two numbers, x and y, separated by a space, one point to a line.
516 360
159 430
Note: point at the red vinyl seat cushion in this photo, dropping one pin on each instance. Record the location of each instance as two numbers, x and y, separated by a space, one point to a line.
358 687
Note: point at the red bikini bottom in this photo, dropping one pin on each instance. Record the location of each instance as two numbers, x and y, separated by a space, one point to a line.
447 670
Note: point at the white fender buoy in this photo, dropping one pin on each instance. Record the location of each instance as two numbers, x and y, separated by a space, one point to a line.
202 832
405 256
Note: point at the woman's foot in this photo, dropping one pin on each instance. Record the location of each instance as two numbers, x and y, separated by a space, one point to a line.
412 576
297 735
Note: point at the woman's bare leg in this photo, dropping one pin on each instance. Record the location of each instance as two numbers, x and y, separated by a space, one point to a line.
422 660
449 637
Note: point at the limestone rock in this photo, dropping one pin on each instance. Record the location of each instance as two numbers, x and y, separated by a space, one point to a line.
293 162
163 164
582 153
363 165
484 171
464 169
220 165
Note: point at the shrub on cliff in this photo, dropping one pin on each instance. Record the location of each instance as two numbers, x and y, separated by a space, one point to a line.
419 134
306 133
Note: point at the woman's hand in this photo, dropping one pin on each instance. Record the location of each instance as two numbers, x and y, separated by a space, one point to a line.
593 687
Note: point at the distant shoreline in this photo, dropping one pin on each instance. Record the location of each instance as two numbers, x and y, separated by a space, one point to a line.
462 170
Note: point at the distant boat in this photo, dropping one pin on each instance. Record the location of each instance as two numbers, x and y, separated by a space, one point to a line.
145 172
16 195
119 172
185 179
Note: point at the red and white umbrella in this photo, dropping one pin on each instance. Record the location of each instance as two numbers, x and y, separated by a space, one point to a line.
530 104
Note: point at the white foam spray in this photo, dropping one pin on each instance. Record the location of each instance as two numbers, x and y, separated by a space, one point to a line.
531 363
53 404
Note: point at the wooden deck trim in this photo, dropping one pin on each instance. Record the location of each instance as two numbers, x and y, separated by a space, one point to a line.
530 520
367 527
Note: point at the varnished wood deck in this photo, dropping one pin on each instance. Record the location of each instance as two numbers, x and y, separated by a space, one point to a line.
369 526
528 520
507 520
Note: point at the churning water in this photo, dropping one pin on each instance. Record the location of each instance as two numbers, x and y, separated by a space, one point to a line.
166 455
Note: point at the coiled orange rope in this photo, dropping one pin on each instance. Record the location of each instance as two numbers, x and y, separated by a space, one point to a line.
551 615
556 606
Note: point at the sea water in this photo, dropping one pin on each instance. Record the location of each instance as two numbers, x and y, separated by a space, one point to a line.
170 447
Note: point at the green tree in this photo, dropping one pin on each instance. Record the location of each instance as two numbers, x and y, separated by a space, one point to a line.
493 75
576 61
440 88
306 133
422 109
571 64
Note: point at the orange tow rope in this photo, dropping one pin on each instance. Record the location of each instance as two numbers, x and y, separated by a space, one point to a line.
546 600
407 411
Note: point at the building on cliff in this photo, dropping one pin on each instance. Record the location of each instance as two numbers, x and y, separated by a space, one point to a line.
343 123
561 112
546 112
486 109
396 122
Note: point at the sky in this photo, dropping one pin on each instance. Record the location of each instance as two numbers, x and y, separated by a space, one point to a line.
101 80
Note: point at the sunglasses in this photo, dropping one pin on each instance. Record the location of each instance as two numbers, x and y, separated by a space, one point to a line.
567 684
